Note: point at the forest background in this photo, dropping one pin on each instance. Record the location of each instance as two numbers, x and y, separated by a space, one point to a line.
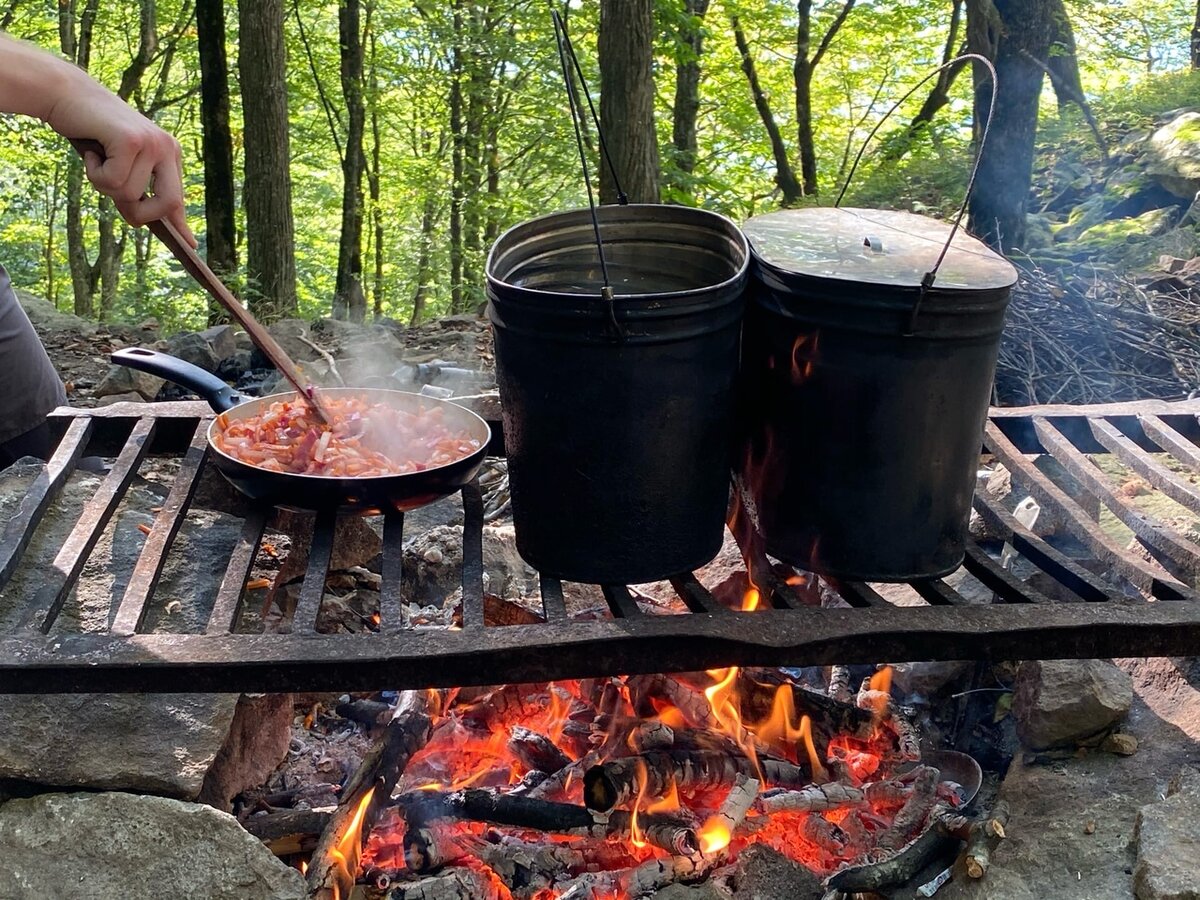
358 157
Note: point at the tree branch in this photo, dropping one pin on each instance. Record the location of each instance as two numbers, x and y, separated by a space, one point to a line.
831 32
331 116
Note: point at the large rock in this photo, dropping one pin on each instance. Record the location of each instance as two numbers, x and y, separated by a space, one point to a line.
290 334
221 339
1174 155
1058 703
68 846
193 348
47 318
257 742
124 380
1168 835
160 743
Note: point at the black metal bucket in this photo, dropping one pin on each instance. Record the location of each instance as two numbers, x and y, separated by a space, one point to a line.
618 416
865 389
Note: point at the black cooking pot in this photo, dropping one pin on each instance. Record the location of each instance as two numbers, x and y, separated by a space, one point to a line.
617 416
318 492
865 388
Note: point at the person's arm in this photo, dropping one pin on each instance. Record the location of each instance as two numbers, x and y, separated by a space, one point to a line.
138 154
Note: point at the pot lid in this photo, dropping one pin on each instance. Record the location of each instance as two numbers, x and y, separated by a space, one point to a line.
874 246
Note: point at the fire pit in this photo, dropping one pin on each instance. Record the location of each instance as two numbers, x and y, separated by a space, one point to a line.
794 626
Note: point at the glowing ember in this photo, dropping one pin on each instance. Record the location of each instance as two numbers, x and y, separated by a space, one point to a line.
699 749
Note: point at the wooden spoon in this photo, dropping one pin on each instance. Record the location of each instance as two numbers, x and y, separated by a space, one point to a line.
207 279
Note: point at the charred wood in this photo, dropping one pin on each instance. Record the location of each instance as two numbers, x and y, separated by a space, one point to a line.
453 884
839 684
650 876
334 863
913 813
536 751
288 831
372 713
826 835
813 798
430 845
669 833
615 783
877 874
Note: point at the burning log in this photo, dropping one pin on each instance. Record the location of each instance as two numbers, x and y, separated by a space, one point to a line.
839 684
536 751
824 834
665 832
430 845
335 861
288 831
983 837
557 782
913 813
505 704
452 884
877 874
615 783
880 703
813 798
529 867
695 707
719 828
371 713
651 735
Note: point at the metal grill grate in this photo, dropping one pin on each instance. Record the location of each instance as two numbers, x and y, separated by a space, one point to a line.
1083 615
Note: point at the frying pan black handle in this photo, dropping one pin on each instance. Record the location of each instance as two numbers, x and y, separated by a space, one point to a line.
219 395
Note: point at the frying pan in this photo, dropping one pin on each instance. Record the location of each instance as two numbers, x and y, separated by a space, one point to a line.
321 492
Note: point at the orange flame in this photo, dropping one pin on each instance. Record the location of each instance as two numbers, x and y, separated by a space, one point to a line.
714 835
642 776
804 357
751 601
726 709
881 687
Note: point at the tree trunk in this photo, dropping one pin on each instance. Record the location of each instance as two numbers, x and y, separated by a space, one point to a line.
690 42
802 76
1016 35
216 144
77 47
457 190
785 175
267 193
373 184
108 258
939 94
424 269
1195 42
1062 60
349 301
474 163
626 56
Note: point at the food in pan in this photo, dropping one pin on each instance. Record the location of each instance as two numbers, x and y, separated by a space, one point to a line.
363 439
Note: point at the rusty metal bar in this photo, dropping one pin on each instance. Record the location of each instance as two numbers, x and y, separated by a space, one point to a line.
47 485
621 601
227 608
696 596
936 592
148 570
1145 465
554 607
92 521
312 589
1168 546
472 571
1048 494
391 601
1058 565
1002 582
1171 440
858 594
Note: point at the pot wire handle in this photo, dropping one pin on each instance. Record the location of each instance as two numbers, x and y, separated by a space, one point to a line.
606 291
929 277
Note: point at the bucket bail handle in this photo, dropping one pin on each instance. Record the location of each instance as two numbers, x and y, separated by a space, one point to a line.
567 52
930 276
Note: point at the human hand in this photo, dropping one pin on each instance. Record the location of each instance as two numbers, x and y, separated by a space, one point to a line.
141 168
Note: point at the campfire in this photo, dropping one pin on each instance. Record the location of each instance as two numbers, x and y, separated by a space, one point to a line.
617 787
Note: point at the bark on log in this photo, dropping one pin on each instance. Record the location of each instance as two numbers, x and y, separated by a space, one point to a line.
536 751
813 798
913 813
874 875
983 838
615 783
453 884
669 833
287 828
334 864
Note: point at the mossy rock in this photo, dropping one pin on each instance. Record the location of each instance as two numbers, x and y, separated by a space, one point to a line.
1174 155
1116 232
